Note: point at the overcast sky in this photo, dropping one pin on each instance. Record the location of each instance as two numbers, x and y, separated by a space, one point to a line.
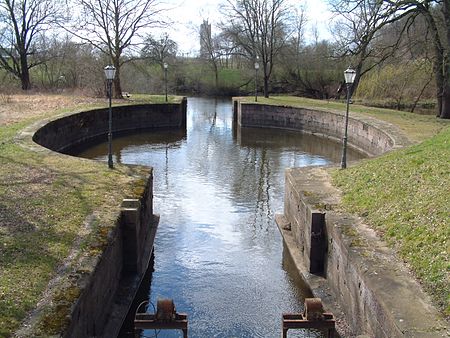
189 14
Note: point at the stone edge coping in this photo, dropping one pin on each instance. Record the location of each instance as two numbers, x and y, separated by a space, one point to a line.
394 286
25 136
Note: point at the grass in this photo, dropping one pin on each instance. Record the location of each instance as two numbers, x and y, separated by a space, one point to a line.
404 196
44 207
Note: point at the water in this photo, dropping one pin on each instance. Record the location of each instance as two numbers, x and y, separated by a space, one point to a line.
218 252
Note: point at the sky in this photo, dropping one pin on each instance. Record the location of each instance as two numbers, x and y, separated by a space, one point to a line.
189 14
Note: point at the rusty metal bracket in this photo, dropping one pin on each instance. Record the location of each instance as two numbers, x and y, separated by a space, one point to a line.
313 317
165 318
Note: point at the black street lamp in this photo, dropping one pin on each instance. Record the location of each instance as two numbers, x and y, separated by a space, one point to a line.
110 73
256 79
165 77
349 75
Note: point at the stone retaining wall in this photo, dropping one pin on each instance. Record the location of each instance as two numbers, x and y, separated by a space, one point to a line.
364 134
341 259
72 130
120 267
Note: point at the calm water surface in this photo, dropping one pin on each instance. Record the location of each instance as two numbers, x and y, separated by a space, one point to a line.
218 252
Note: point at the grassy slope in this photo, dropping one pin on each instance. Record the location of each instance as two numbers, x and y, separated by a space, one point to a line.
405 194
44 203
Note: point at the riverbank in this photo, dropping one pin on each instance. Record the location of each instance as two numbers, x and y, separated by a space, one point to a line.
417 127
56 213
403 195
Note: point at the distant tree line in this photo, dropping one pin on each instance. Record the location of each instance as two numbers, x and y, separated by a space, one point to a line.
398 49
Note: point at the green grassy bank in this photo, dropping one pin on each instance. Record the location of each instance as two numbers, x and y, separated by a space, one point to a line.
405 196
55 214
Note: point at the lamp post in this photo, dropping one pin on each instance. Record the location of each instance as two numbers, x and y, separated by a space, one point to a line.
256 79
349 75
165 77
110 73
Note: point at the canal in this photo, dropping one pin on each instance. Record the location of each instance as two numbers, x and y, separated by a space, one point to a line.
218 253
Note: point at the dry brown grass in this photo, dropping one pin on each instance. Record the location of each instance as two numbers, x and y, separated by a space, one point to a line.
18 107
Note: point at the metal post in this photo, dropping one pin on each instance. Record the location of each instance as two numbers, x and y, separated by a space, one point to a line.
344 143
165 78
110 160
256 84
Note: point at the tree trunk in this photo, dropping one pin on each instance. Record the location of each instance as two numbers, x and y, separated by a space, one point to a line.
438 97
117 87
216 74
445 109
440 64
266 87
358 70
24 72
25 79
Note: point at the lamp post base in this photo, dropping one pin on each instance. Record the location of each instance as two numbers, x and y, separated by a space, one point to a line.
344 154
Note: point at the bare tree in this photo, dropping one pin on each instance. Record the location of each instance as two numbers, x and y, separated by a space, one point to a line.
359 24
291 55
21 22
112 26
259 28
159 50
365 18
437 16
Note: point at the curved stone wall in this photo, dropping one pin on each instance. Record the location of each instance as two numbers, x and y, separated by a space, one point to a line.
341 260
107 292
71 130
366 135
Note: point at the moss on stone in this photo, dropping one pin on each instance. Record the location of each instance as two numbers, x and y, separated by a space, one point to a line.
139 188
57 316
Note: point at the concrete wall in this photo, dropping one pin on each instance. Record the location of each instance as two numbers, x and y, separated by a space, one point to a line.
363 135
69 131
